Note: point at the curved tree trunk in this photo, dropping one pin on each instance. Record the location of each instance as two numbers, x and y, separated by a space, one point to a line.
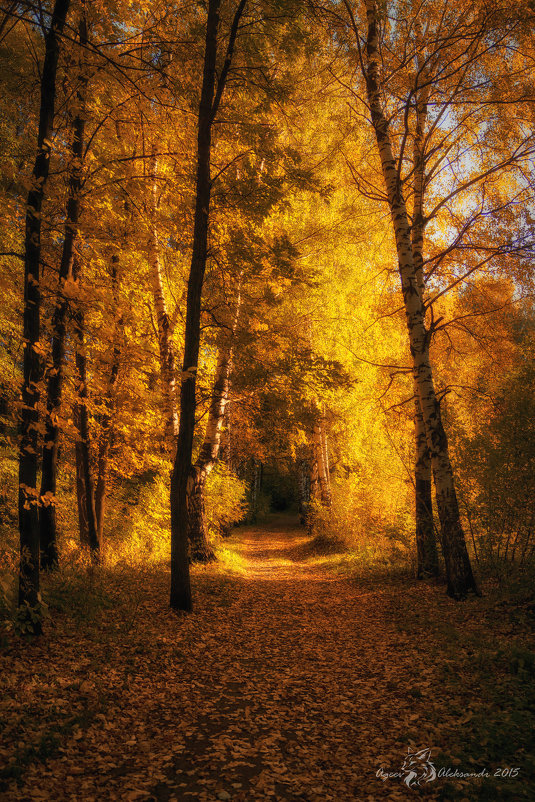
47 515
29 425
458 569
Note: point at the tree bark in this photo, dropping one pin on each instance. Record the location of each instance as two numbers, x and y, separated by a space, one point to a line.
304 490
81 493
319 441
315 486
165 341
81 416
106 421
180 597
47 516
326 472
28 448
426 547
460 579
200 548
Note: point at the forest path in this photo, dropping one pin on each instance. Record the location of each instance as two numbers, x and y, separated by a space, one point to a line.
276 551
287 682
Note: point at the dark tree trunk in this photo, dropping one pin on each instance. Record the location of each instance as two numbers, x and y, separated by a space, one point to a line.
426 547
304 490
200 549
87 497
47 515
106 423
28 449
180 597
101 488
83 524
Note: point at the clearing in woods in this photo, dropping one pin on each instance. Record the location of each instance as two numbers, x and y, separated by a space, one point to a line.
290 681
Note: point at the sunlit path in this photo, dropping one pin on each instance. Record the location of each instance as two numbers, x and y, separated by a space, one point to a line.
287 682
273 551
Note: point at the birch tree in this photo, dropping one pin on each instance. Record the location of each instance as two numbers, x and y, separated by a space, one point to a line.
200 549
458 178
458 568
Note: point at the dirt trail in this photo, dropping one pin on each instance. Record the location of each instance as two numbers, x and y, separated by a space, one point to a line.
286 683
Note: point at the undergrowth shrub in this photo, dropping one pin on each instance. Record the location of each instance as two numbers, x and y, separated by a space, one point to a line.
138 525
496 469
226 502
379 538
137 535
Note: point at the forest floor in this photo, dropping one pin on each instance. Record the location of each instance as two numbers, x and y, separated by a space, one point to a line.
290 681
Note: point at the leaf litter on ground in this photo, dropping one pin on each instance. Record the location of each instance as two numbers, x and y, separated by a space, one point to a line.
289 682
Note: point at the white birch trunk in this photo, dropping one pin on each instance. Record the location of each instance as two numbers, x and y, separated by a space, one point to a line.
426 548
458 569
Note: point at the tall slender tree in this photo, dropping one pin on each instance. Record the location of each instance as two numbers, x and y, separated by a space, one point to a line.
458 568
211 94
47 516
163 319
29 426
81 417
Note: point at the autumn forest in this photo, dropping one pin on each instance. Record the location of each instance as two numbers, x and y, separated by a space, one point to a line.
267 400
